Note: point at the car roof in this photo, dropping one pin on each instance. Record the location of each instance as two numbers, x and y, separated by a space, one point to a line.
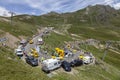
18 50
30 57
40 39
65 62
23 41
50 61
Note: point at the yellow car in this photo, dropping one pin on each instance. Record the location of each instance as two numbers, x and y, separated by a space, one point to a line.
31 41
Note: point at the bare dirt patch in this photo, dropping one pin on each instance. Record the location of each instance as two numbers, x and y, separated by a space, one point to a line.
11 40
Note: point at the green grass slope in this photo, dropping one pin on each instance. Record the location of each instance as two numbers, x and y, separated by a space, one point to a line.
12 68
100 22
103 23
18 28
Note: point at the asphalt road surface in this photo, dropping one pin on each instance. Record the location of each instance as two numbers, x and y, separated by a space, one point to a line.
29 46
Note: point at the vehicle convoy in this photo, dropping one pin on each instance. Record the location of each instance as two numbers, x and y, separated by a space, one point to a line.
31 60
66 66
50 64
35 52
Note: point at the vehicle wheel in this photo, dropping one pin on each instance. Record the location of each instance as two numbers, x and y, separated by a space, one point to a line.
46 71
73 66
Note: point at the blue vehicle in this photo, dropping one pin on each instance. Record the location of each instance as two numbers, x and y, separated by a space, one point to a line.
76 62
66 66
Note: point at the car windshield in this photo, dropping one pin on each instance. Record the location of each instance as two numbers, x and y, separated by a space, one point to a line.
75 61
66 64
32 58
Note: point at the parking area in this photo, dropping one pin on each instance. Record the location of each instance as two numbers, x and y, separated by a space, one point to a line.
67 53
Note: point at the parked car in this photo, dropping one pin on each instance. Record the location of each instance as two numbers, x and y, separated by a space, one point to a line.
31 42
66 66
87 59
32 61
19 52
46 32
23 42
76 62
40 41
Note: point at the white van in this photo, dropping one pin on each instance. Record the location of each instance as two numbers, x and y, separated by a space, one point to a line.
50 64
87 59
19 52
40 41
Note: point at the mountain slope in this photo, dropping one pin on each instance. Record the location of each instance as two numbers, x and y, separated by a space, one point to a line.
98 22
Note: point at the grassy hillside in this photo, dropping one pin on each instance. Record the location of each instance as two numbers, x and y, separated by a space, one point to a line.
112 58
56 40
101 33
101 22
18 28
12 68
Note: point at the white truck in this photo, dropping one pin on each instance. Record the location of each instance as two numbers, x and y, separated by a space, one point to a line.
50 64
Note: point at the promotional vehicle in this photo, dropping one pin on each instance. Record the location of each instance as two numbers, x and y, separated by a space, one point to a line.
31 42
